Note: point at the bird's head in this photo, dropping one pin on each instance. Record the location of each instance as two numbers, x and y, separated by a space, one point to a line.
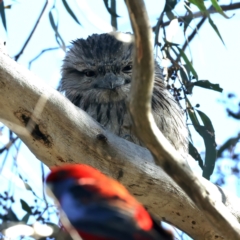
98 68
89 178
86 184
61 179
74 171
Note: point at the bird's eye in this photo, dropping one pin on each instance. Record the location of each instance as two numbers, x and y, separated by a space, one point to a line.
127 69
89 73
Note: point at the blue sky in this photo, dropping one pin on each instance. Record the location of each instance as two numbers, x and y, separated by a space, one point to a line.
212 60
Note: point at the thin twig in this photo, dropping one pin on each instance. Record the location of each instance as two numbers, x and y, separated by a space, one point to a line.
8 145
43 181
191 36
157 28
230 7
43 51
32 32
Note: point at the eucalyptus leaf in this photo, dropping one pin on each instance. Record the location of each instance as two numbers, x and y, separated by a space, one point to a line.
189 64
69 10
200 4
113 13
208 134
113 18
218 8
25 206
170 15
25 218
206 121
184 77
215 29
57 35
170 5
192 114
204 84
187 19
195 154
210 153
3 16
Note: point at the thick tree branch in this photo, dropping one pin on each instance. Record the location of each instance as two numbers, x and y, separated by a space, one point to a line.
60 133
164 154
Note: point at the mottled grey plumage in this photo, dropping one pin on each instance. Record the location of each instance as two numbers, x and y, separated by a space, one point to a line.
96 76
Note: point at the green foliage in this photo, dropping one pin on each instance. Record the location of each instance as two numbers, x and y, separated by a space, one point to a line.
55 28
187 76
188 18
218 8
200 4
206 131
204 84
109 9
25 206
208 134
188 63
26 217
194 153
215 29
69 10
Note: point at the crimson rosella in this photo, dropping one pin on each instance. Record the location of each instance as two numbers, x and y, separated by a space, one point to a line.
99 207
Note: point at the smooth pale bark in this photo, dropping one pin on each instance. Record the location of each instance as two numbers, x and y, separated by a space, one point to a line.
62 133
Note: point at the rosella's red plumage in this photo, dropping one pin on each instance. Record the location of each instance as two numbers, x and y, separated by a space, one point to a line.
99 207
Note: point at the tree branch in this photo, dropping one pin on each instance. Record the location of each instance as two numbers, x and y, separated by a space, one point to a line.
62 133
40 54
164 153
211 10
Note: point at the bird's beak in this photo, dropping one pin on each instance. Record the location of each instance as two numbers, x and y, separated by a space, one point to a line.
111 81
